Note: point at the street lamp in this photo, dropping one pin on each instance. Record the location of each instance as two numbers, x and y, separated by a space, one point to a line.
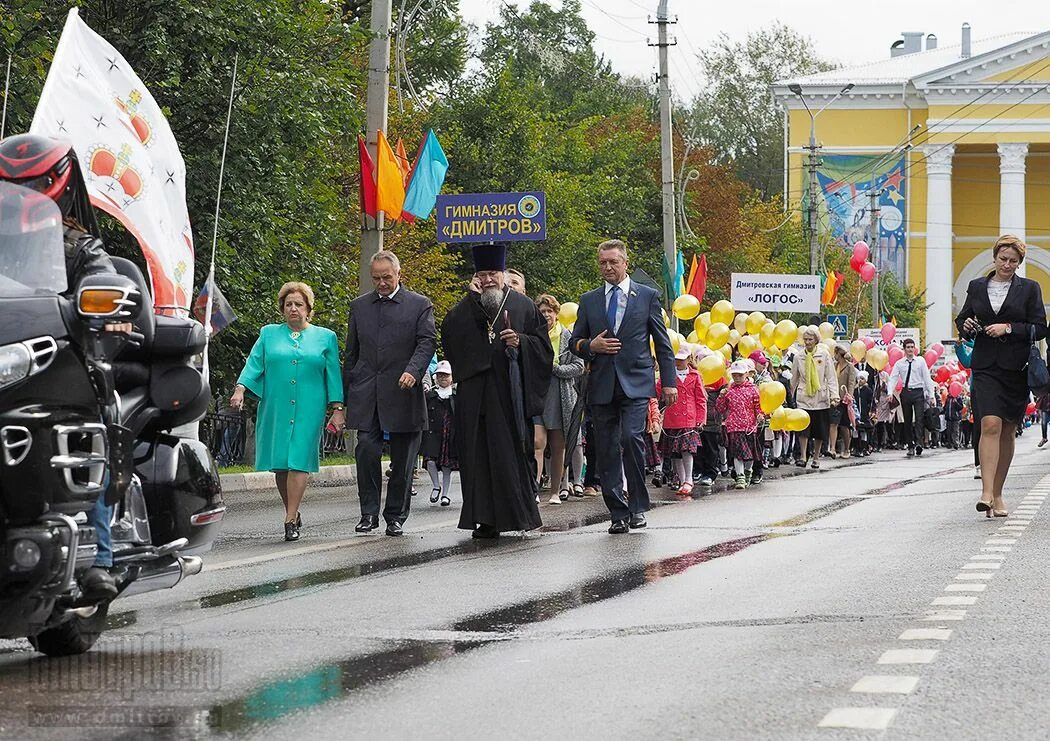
812 167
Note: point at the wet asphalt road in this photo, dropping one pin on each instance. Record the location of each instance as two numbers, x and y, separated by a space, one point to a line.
736 615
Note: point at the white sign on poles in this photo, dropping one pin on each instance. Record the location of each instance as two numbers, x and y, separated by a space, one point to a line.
903 333
775 292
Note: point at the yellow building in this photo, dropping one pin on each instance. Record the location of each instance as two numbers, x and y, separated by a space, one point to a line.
976 115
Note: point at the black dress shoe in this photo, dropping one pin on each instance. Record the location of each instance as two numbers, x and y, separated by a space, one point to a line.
367 524
97 584
637 521
486 532
618 527
394 528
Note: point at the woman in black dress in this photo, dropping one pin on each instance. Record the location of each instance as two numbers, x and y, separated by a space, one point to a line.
1004 314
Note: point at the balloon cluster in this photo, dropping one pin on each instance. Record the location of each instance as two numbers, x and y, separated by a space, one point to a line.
860 264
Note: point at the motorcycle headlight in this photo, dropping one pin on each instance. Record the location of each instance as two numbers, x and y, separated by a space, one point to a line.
15 362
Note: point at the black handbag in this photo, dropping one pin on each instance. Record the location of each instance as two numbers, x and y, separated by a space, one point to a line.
1038 375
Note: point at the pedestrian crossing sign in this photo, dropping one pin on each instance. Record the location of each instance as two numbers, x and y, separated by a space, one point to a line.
841 324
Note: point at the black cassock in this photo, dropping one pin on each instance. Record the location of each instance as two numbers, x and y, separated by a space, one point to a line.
496 466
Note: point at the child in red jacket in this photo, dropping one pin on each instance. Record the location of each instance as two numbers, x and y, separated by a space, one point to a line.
739 403
680 437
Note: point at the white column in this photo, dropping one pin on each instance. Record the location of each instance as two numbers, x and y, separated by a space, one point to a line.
1011 191
939 272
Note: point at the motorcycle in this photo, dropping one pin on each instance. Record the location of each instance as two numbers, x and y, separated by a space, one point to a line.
84 414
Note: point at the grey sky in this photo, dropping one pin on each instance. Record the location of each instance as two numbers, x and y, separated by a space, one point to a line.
845 32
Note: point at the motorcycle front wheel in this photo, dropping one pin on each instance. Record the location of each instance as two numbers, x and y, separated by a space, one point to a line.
74 636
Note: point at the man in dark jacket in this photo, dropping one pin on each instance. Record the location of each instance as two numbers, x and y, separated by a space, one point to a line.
390 340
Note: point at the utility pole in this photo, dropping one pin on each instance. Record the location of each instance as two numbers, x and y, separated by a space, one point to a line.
666 140
873 242
376 116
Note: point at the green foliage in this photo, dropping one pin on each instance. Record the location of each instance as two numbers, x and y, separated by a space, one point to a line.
735 115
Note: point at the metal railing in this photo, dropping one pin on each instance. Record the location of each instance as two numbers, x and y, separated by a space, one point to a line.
229 435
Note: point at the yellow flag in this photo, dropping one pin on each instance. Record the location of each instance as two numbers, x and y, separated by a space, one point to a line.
390 184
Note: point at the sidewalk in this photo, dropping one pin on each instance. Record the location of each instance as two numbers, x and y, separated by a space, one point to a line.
327 476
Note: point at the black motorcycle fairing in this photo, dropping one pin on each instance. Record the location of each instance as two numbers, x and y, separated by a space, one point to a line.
32 316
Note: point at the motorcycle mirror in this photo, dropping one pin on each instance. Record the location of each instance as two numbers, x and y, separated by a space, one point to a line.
107 297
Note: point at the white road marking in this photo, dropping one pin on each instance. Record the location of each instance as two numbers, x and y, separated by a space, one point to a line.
987 557
971 576
998 548
908 656
938 615
954 601
866 718
1000 541
925 634
965 587
982 566
886 684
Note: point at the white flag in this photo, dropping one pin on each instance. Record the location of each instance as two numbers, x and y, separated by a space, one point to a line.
132 164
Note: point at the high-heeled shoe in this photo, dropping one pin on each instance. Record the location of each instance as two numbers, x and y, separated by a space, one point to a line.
986 507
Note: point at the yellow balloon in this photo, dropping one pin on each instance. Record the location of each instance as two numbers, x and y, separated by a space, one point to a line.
784 334
686 307
765 335
567 314
717 335
722 312
676 341
755 321
771 395
778 420
740 323
877 359
667 319
652 347
711 368
734 337
746 346
797 420
703 319
858 350
826 329
829 343
727 351
801 334
692 339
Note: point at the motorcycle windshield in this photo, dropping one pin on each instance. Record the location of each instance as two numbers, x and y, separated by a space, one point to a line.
32 251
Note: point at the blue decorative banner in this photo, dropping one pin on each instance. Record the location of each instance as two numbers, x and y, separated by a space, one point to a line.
846 182
492 217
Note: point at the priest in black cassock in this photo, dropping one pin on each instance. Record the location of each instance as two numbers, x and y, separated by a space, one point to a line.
499 345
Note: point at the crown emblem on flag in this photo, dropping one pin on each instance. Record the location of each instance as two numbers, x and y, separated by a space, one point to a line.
104 162
139 124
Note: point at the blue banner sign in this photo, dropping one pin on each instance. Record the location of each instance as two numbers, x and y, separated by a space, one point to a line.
841 324
491 217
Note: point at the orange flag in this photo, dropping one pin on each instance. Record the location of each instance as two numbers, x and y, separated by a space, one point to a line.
406 174
390 182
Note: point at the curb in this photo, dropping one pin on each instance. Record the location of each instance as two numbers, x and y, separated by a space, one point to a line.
327 476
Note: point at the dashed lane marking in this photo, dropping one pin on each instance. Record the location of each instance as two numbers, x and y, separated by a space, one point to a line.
955 601
965 587
886 684
982 566
908 656
987 557
925 634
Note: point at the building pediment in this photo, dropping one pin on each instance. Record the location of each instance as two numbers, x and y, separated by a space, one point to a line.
1024 61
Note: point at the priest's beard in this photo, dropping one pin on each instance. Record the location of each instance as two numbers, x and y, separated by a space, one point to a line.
491 299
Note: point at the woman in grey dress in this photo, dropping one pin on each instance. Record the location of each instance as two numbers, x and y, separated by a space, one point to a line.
561 398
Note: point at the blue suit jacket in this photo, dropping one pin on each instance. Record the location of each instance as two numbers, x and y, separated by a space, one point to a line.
633 365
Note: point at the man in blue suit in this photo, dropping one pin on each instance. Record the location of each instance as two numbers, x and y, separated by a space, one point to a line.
613 327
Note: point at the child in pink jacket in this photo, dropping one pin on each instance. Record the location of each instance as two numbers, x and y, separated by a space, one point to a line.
739 404
680 437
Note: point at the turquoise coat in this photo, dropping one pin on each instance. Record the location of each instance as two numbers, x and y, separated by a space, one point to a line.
295 380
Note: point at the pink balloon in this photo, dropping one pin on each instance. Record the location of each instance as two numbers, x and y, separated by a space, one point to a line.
868 342
938 348
895 353
856 263
860 251
867 272
888 332
930 357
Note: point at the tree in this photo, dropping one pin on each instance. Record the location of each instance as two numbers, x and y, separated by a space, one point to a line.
734 114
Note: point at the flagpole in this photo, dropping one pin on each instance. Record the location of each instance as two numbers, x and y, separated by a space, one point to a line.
210 284
7 86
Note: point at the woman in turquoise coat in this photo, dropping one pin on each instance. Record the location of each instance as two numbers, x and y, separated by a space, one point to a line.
294 372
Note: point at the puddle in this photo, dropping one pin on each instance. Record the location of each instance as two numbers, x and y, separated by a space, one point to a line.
335 681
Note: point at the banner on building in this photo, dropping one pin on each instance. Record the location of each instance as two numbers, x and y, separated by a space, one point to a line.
775 292
846 183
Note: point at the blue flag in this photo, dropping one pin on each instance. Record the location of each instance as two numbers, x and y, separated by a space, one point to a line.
427 178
